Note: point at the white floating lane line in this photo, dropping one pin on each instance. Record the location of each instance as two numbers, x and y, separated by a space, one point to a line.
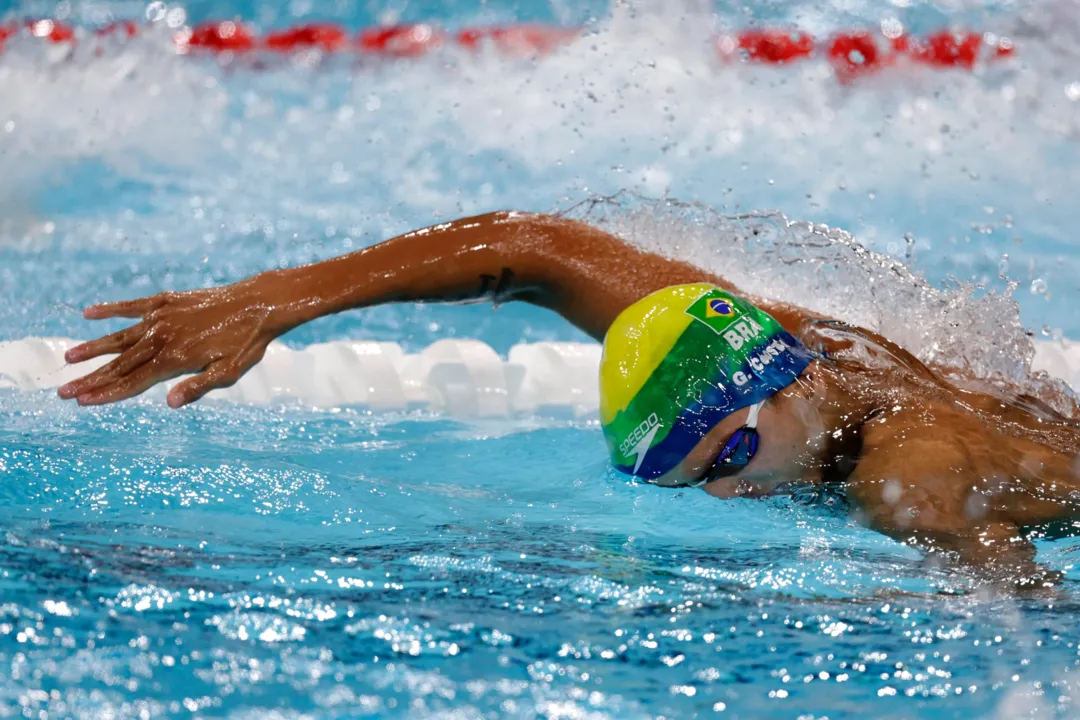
461 378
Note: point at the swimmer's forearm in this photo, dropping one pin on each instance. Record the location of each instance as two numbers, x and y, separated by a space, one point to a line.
462 260
586 275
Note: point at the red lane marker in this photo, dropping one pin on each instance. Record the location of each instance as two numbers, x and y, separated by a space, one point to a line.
948 49
50 30
902 44
322 36
220 37
1004 48
125 28
7 31
775 47
853 54
518 40
400 40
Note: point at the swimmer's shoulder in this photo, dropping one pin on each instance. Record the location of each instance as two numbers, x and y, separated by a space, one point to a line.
902 434
906 464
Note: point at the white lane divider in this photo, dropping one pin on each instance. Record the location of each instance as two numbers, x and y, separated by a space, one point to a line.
462 378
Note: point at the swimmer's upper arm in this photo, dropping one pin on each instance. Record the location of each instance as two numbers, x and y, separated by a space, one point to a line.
590 276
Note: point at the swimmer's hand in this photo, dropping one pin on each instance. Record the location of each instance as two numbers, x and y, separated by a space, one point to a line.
217 333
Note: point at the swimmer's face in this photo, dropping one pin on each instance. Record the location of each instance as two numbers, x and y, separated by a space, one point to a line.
790 434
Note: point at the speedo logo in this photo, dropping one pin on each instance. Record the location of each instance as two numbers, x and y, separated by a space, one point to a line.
758 362
742 331
638 442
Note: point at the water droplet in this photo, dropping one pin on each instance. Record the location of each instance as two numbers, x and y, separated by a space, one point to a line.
892 28
1038 286
891 492
155 11
976 506
175 17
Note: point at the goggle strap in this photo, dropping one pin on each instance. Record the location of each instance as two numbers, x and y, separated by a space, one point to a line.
751 419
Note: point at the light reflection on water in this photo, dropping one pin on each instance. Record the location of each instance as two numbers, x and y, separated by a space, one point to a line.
335 563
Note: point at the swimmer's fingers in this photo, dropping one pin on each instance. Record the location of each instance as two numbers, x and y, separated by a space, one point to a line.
110 372
221 374
126 308
108 345
134 383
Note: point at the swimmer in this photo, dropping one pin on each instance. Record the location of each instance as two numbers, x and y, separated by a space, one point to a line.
701 385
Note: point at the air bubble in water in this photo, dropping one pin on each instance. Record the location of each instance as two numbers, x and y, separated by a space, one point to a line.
1038 286
155 11
176 17
892 28
1054 333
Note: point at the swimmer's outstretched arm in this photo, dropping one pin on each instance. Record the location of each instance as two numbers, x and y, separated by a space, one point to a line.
586 275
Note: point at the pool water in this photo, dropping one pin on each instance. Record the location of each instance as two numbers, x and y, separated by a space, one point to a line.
243 561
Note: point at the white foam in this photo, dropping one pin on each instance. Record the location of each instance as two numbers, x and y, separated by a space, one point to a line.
640 102
461 378
137 109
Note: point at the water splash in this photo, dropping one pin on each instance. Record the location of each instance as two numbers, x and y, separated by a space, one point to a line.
640 102
962 328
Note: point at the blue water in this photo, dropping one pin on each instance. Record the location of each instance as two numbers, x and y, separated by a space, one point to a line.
230 560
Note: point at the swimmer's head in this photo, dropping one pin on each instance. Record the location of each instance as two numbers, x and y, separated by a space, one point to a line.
678 362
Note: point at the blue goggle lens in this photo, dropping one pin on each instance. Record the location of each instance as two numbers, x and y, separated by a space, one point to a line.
738 451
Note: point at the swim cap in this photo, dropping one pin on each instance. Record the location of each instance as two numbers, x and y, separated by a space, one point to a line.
678 362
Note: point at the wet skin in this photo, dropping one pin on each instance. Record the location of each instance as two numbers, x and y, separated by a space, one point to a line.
963 474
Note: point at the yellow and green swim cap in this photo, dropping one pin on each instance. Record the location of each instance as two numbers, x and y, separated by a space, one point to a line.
678 362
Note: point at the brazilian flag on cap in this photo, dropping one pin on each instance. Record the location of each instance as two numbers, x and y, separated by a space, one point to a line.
678 362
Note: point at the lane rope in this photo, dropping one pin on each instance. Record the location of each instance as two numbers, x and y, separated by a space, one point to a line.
461 378
851 53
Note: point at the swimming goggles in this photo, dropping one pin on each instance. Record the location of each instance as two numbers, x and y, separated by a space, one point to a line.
738 451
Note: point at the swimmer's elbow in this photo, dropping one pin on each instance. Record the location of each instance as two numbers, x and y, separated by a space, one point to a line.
541 249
